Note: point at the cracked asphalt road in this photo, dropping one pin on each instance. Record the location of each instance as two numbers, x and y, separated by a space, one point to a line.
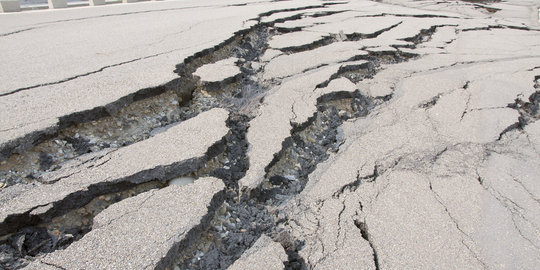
388 134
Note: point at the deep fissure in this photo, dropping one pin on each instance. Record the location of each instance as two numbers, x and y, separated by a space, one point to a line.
62 227
240 220
529 111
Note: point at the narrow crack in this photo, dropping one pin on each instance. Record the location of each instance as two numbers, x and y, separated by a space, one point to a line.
359 36
339 227
425 34
53 265
131 13
491 27
16 32
408 15
362 226
456 224
515 213
323 5
532 195
430 103
83 75
332 38
353 186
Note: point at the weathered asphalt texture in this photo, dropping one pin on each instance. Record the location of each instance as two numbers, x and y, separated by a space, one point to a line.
309 135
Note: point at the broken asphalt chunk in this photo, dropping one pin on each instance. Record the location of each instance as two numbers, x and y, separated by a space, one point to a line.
177 151
144 231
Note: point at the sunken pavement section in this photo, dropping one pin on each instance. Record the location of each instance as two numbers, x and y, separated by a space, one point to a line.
245 134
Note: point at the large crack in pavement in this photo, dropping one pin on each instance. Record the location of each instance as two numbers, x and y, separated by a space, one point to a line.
225 240
140 115
151 111
88 138
243 218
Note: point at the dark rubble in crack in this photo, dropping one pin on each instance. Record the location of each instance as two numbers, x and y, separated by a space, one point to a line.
529 111
29 242
150 111
240 220
311 144
330 38
185 98
225 160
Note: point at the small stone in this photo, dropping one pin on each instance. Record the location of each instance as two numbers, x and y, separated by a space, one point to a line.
222 210
102 198
108 198
290 177
2 185
182 181
277 180
243 230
